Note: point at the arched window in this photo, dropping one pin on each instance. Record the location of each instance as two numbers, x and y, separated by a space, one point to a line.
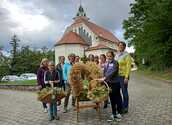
80 30
90 38
75 31
87 34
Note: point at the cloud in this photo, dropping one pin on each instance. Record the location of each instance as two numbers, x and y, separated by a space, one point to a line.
41 23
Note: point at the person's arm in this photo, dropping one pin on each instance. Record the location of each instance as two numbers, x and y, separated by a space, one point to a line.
57 78
65 72
104 69
128 66
39 75
46 79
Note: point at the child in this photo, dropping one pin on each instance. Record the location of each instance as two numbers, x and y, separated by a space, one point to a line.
111 77
52 80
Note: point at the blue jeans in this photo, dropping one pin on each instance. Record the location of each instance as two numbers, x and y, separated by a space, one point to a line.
52 110
124 88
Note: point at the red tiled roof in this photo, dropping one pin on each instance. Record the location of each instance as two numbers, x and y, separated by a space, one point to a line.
71 38
99 46
101 32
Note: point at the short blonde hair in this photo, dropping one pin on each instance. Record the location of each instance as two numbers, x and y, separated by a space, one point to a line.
42 61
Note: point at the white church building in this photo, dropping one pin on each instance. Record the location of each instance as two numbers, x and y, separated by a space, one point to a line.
84 37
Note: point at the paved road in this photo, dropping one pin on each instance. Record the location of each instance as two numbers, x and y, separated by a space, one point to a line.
150 104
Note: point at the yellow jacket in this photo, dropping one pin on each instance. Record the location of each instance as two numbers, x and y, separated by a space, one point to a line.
124 61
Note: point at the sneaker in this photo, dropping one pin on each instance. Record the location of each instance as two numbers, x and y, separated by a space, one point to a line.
110 119
51 119
117 118
57 117
125 110
45 110
65 110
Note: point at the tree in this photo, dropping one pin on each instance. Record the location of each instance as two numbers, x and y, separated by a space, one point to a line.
15 44
1 48
4 65
28 60
149 29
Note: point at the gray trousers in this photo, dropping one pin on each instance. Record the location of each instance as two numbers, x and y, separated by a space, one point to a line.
68 91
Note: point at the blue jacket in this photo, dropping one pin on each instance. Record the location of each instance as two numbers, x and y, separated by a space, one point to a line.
111 71
66 70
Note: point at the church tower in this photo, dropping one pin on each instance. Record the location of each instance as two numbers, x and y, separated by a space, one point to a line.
81 13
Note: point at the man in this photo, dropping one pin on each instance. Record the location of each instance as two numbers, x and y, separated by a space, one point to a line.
66 70
59 68
77 59
91 57
124 61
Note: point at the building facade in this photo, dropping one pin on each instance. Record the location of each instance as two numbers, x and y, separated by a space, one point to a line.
84 37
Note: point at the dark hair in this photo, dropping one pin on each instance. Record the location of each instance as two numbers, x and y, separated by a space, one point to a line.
111 52
71 55
96 56
61 57
123 43
90 55
104 56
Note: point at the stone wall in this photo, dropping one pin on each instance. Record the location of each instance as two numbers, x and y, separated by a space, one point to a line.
20 87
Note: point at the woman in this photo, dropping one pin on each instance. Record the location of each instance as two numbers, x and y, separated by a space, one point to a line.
124 61
111 77
40 77
96 59
52 79
102 65
91 58
102 61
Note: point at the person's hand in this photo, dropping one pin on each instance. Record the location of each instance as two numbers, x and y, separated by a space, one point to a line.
126 81
57 81
51 83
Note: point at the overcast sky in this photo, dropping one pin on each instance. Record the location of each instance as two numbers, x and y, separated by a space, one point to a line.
42 22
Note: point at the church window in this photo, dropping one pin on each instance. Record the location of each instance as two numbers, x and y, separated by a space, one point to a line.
90 38
87 34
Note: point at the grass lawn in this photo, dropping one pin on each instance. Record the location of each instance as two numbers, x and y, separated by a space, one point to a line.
25 82
166 75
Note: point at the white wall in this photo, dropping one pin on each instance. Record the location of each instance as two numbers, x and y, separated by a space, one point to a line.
66 49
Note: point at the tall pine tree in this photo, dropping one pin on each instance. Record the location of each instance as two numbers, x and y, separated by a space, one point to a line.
15 44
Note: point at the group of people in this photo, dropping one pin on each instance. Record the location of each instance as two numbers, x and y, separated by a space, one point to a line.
116 70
